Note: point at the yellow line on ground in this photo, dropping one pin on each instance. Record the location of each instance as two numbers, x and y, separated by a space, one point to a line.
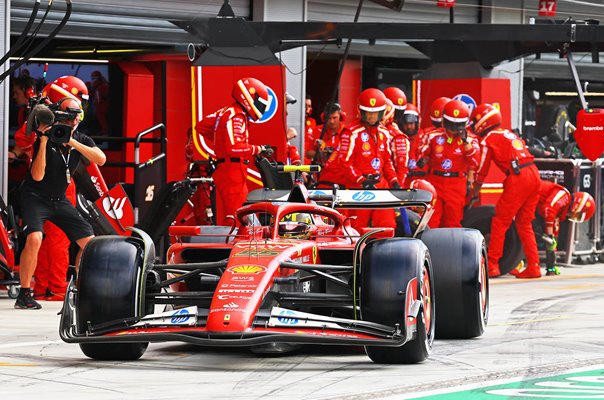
18 365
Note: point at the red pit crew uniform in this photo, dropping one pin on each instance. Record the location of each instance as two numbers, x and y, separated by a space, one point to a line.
519 198
293 157
310 135
364 151
448 163
416 143
400 148
554 201
232 152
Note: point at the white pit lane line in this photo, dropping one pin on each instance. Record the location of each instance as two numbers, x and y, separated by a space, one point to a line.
28 344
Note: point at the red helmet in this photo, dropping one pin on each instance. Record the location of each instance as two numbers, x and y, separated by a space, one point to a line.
455 116
252 95
372 100
436 110
582 208
397 97
484 118
425 185
389 113
66 86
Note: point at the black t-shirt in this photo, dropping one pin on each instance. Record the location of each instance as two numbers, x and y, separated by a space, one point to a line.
54 184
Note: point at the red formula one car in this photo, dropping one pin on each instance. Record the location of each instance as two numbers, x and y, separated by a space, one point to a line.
294 272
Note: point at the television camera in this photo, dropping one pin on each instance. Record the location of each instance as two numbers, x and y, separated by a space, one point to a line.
44 112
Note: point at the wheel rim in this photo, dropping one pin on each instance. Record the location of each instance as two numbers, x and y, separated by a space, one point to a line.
482 281
426 293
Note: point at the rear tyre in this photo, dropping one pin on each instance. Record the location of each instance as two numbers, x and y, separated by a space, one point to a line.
480 218
394 274
111 285
459 260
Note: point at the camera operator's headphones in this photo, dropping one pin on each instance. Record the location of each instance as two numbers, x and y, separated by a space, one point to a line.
80 111
331 108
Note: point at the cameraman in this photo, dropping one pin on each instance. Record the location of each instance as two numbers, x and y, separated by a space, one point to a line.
57 151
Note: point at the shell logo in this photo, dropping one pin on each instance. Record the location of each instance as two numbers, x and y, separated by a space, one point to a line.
247 269
455 113
252 90
517 144
74 91
372 102
366 146
478 117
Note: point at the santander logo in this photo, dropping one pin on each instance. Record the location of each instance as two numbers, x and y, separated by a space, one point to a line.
110 205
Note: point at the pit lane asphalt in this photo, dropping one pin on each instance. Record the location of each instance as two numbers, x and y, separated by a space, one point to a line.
537 328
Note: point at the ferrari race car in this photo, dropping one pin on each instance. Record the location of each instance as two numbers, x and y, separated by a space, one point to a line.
293 272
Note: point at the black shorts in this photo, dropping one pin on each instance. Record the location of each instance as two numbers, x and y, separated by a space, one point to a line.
37 209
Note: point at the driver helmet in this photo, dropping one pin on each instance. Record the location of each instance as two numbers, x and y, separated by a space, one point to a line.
455 116
252 95
485 118
295 226
582 208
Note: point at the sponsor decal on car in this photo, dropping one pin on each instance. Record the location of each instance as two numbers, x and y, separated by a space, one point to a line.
236 290
181 317
230 296
363 196
257 253
246 269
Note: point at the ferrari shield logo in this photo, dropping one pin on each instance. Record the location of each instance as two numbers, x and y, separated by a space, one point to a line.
455 113
372 102
436 113
400 101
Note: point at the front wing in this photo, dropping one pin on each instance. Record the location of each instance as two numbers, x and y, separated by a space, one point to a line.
187 325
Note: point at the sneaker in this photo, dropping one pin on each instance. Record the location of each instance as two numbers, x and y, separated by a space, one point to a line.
26 302
54 296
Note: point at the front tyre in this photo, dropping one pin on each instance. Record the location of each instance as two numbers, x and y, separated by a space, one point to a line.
111 286
395 274
459 260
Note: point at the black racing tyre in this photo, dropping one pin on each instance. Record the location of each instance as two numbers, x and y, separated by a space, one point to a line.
480 218
111 285
459 264
552 124
391 270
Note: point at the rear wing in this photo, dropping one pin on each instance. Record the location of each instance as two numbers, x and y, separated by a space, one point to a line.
350 198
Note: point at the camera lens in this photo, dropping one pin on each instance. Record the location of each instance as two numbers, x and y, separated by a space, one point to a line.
60 133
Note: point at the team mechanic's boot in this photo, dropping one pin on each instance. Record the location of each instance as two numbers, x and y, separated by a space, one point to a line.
519 268
552 271
494 270
532 271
